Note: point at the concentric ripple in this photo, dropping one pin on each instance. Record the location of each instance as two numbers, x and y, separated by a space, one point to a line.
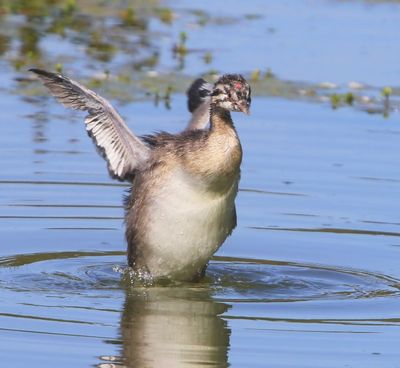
271 281
230 279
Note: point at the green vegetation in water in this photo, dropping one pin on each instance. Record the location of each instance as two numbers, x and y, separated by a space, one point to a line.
70 6
338 99
203 18
386 93
349 98
369 104
180 48
130 18
335 100
253 16
255 75
111 47
100 48
208 58
167 96
269 74
58 68
166 15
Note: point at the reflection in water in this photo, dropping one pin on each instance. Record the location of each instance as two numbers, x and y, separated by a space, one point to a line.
70 296
174 327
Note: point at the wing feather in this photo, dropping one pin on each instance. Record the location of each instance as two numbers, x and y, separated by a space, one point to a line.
123 151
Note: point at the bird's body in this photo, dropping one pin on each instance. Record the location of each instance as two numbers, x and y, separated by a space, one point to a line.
182 204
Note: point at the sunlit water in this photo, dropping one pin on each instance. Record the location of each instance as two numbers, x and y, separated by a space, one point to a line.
310 271
309 278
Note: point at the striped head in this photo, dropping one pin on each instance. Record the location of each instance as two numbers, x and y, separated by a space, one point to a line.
232 92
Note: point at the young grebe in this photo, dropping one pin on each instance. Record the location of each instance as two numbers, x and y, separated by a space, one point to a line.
182 204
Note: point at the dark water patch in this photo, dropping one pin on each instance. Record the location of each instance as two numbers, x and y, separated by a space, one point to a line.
44 319
73 183
329 230
380 222
300 214
83 228
25 259
63 217
332 321
259 191
370 178
383 132
27 331
63 205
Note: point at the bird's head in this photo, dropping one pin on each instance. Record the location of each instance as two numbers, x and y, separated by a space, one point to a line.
232 92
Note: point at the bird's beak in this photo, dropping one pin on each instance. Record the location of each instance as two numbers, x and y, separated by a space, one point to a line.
245 107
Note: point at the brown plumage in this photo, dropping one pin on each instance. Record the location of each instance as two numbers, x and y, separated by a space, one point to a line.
181 207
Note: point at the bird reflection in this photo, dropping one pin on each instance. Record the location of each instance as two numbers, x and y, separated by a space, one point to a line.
173 327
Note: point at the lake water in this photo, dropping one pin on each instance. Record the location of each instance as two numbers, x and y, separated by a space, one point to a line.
310 277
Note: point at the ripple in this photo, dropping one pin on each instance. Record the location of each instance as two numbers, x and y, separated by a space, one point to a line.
229 279
60 273
249 280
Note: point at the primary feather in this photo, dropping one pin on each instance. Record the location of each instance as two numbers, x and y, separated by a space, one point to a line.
123 151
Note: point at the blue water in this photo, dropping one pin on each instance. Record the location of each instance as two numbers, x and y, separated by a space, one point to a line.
309 278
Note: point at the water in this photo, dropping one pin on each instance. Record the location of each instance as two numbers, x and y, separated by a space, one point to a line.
309 278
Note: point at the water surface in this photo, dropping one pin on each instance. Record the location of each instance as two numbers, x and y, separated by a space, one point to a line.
309 278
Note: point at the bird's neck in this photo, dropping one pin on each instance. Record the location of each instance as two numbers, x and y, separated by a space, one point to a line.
220 118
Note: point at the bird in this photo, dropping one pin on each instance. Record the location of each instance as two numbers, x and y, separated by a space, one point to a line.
199 98
181 206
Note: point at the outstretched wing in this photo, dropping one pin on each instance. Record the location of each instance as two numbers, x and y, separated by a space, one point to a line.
123 151
199 98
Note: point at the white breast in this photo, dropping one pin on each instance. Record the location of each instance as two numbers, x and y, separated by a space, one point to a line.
189 223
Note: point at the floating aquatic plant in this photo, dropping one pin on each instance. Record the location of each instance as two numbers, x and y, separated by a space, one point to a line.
207 57
335 100
129 17
349 98
58 67
255 75
269 74
167 96
386 93
69 7
181 48
166 15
